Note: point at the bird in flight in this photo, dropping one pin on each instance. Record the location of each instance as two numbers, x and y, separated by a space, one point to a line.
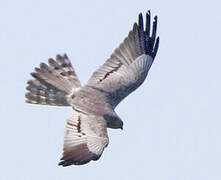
92 105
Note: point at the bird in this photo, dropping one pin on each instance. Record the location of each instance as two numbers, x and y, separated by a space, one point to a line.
93 104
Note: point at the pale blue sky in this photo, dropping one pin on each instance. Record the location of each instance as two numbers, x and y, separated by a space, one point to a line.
171 123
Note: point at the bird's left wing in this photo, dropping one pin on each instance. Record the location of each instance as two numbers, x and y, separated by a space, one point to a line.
128 66
85 138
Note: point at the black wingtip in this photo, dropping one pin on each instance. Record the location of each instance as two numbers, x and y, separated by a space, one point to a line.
156 47
147 28
140 21
154 32
72 161
135 26
152 43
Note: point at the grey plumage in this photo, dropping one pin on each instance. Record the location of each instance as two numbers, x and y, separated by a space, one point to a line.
85 138
93 104
52 83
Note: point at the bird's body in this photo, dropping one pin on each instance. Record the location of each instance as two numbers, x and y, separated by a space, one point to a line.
93 104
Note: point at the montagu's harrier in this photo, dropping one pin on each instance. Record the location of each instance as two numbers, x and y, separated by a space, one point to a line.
93 104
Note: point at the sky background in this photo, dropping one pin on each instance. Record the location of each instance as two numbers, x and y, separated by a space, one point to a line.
171 123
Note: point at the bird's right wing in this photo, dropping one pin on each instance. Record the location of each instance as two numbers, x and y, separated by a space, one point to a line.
85 138
128 66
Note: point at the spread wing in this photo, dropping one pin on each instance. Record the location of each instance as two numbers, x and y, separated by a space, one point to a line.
128 66
85 138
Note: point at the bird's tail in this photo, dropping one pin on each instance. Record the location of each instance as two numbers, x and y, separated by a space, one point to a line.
52 83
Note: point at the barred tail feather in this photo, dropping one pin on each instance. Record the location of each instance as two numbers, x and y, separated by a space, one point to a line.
43 93
52 83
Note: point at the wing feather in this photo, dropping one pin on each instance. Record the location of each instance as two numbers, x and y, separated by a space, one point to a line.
85 139
128 66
